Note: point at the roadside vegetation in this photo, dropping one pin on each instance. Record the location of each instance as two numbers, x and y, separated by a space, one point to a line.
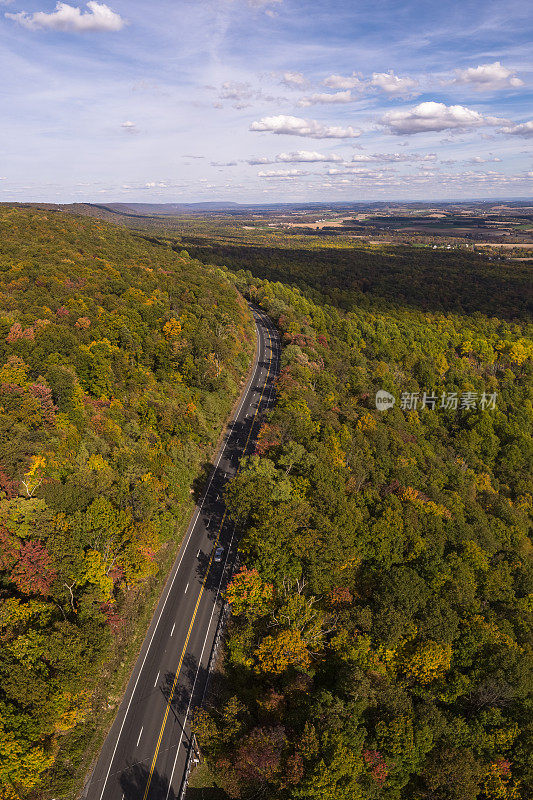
119 362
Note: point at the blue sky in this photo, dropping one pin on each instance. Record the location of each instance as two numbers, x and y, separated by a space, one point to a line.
265 100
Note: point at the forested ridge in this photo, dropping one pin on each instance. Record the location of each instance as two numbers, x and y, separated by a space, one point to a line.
119 362
379 643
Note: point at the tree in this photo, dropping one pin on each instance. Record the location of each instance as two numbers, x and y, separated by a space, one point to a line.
276 654
258 756
247 594
452 774
33 572
429 662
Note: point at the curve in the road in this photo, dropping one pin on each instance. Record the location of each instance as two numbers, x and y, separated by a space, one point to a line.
144 756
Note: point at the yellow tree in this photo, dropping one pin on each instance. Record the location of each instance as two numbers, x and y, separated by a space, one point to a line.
277 653
430 661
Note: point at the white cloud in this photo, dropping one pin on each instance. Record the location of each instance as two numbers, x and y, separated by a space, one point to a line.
481 160
223 163
294 80
391 84
359 172
295 126
386 82
297 157
70 19
325 98
129 126
488 77
307 156
257 160
352 81
523 129
282 173
431 116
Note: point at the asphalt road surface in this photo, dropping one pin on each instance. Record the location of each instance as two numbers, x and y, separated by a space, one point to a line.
145 754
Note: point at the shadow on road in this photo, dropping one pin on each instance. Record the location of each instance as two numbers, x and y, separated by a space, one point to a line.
133 783
190 676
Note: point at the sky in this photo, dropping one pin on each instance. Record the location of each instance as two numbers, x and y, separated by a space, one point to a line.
263 101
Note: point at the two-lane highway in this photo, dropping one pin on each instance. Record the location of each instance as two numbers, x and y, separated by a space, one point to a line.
145 753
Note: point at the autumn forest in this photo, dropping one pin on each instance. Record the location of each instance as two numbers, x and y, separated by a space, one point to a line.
378 645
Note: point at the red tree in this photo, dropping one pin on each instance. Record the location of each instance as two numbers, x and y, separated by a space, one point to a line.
33 573
376 765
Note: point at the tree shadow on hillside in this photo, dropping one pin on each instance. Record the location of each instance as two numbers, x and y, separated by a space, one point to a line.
402 277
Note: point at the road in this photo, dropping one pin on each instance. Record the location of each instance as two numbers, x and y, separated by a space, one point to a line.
144 755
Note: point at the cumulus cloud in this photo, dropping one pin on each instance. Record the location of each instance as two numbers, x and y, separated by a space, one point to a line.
393 85
295 126
324 98
282 173
431 116
223 163
352 81
129 126
488 77
258 160
523 129
298 157
294 80
71 19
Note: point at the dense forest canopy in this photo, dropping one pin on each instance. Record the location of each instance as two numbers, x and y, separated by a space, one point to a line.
119 361
380 638
349 273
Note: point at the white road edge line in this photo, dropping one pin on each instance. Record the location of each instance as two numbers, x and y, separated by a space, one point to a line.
158 674
185 592
140 734
172 631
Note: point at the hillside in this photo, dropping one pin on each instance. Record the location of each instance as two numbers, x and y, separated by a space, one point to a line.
119 362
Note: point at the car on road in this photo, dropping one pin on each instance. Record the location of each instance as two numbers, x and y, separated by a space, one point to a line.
218 555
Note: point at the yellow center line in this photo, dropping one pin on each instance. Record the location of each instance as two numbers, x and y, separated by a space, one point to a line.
173 689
